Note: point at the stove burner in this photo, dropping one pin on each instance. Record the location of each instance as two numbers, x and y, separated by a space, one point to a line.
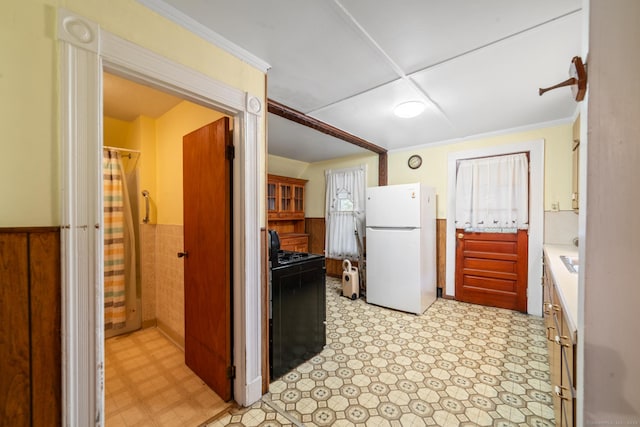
289 257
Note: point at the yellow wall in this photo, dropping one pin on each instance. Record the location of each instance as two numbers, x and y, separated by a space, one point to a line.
139 134
160 143
29 99
286 167
433 172
315 189
145 136
170 128
118 133
314 173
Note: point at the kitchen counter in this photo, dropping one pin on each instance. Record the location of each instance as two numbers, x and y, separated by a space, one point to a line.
566 282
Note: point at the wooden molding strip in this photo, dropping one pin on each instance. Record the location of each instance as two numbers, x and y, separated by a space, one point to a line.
382 169
37 229
301 118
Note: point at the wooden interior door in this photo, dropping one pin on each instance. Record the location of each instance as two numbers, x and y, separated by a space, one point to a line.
207 248
491 269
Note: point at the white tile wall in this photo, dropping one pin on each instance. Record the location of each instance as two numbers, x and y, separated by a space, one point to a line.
560 227
170 280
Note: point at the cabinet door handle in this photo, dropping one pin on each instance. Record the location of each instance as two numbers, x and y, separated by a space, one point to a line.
558 391
183 254
559 340
549 328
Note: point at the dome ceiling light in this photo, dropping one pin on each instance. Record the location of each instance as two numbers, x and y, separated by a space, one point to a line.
406 110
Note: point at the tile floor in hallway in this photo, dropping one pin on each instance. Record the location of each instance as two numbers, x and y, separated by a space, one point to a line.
148 384
455 365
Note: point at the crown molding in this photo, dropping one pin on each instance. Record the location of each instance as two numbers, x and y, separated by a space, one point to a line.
171 13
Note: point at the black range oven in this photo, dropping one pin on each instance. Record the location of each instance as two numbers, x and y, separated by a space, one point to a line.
297 308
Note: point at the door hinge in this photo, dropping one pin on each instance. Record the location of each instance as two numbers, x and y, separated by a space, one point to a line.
231 152
231 372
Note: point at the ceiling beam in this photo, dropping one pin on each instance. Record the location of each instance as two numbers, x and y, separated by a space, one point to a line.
301 118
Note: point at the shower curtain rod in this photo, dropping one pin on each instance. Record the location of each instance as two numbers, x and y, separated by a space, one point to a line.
124 150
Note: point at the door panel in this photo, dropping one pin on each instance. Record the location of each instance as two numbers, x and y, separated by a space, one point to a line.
405 200
207 265
393 268
491 269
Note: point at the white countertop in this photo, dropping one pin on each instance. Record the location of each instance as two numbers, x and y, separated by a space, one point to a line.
566 281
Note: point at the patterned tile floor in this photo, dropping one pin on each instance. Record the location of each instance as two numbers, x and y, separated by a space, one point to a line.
455 365
148 384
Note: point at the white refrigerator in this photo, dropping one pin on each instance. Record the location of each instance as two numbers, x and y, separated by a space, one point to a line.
401 246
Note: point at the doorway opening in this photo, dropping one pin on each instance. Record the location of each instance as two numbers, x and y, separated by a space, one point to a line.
492 221
145 372
82 61
535 148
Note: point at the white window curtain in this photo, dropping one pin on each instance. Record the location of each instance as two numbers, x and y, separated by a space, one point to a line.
492 194
344 211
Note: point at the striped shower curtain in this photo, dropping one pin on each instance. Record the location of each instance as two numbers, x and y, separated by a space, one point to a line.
114 254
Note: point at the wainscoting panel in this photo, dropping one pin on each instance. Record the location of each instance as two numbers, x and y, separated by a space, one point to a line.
46 318
148 273
15 384
314 227
170 281
30 321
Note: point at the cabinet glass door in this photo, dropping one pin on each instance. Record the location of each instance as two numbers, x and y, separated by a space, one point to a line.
271 197
285 197
298 198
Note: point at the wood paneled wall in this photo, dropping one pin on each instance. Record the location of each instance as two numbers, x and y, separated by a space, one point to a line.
30 322
315 227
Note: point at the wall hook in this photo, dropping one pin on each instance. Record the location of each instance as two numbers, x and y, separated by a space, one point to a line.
577 81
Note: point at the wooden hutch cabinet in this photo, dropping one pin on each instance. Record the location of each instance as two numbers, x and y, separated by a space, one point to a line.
285 211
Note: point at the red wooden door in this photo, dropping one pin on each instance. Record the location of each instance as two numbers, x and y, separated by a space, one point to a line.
207 243
491 269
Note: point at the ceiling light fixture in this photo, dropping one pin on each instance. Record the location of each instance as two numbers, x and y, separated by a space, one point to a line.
406 110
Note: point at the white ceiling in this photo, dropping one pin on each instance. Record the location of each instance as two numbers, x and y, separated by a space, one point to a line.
126 100
477 65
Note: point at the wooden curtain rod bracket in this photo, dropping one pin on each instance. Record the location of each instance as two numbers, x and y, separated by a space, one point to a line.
577 81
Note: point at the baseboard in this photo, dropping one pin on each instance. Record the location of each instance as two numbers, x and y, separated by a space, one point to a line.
152 323
172 336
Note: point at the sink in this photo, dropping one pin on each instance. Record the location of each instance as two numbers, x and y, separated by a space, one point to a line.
571 262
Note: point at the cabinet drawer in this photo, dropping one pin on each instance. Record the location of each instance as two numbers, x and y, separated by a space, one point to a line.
295 243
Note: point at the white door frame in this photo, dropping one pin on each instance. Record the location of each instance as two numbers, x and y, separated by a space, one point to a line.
536 214
85 50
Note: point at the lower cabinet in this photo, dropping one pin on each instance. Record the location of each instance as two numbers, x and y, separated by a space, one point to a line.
561 343
297 329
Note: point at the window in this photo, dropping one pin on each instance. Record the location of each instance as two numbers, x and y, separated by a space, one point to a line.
344 211
492 194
